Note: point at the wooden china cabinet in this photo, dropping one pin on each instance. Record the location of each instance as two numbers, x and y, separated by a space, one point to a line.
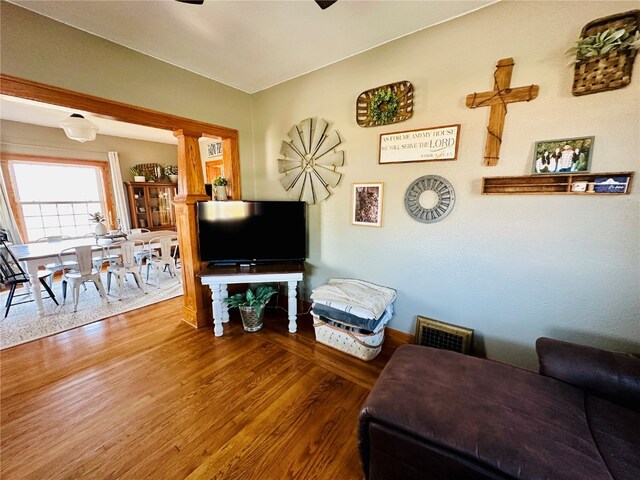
151 205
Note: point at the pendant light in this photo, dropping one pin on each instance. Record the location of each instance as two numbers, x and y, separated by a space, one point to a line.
78 128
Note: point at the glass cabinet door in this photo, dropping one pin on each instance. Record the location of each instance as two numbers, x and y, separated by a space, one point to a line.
140 199
161 207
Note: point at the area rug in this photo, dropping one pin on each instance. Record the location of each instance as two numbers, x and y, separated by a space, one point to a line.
23 324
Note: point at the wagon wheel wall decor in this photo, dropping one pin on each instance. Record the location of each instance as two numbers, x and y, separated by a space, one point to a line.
384 105
309 159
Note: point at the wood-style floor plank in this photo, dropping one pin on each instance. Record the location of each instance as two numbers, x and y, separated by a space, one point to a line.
144 395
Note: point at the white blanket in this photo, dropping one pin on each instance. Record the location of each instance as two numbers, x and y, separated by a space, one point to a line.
366 300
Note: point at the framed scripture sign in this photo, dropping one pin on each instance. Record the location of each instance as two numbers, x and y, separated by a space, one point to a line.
427 144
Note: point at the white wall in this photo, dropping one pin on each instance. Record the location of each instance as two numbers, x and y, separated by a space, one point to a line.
511 267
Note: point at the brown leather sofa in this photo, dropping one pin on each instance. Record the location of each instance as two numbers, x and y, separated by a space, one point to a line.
436 414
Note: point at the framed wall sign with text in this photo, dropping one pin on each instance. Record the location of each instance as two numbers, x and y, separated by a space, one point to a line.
427 144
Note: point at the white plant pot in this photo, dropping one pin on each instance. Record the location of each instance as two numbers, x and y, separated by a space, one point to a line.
138 178
221 192
173 178
101 229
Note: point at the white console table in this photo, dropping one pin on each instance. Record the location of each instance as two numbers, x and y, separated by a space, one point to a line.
217 278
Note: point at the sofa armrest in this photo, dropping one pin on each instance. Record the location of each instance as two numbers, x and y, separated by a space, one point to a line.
611 375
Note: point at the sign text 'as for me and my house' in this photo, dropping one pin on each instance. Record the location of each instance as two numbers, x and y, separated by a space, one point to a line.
440 143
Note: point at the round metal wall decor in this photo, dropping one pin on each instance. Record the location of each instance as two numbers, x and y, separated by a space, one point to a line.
309 160
441 187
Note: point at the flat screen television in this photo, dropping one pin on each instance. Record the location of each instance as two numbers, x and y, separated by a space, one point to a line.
241 232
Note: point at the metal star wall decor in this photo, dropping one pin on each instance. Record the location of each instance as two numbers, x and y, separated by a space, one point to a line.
309 160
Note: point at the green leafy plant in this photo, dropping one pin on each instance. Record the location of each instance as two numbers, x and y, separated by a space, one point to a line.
170 170
220 182
96 217
136 171
251 298
604 42
384 105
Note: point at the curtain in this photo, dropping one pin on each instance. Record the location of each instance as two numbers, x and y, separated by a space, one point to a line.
122 212
7 219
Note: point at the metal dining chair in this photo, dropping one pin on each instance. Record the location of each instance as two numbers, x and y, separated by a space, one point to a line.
12 274
55 267
125 265
86 272
159 258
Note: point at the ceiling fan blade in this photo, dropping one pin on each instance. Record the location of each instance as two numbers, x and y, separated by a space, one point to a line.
323 4
193 2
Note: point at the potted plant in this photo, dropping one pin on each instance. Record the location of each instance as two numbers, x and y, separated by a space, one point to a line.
221 188
138 175
609 40
171 171
251 305
98 218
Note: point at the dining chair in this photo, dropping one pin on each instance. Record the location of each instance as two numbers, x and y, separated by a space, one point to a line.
12 275
106 256
55 267
126 265
159 258
86 272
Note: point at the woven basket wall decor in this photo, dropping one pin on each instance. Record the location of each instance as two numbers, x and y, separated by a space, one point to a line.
609 71
402 93
150 170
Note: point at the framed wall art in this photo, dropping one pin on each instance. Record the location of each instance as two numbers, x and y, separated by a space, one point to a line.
563 156
367 204
427 144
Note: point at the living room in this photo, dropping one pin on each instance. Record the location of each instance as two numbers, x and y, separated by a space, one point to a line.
511 267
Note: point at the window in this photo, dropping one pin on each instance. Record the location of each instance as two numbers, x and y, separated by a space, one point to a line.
54 197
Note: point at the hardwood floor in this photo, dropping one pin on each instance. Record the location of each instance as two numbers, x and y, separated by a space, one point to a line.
144 395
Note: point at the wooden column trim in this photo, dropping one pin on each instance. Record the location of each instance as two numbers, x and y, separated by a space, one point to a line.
231 162
197 304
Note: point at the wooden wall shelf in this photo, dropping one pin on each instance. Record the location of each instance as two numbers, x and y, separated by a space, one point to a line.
557 184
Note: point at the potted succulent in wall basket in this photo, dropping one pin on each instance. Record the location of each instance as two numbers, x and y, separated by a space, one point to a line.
221 188
251 305
138 174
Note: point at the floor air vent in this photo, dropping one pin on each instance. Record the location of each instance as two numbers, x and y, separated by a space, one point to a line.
436 334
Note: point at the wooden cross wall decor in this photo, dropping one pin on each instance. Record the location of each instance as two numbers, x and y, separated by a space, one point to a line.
497 99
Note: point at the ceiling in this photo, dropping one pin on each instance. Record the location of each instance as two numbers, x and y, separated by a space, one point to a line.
246 44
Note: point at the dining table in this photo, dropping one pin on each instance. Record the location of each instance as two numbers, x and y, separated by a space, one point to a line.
36 254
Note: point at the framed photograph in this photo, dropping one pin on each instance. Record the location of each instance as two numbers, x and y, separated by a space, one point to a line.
563 156
367 204
427 144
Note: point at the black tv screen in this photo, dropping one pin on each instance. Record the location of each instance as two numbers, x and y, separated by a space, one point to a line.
237 232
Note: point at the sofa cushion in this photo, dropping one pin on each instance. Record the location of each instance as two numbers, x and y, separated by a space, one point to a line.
611 375
496 416
616 431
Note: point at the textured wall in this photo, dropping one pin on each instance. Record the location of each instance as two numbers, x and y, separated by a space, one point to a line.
512 267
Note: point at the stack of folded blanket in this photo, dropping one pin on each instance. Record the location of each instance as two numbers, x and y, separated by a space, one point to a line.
353 305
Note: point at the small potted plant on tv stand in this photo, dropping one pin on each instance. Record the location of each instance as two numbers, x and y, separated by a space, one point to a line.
251 305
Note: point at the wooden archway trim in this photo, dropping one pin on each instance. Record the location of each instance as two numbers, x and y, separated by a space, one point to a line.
19 87
197 305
